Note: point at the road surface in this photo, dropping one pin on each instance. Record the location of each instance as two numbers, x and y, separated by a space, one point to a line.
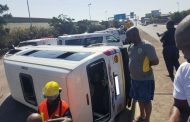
152 30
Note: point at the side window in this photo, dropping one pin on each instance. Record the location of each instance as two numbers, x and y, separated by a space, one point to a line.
28 89
93 40
73 42
99 90
111 39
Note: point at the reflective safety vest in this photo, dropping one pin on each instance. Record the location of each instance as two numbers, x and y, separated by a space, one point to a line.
60 111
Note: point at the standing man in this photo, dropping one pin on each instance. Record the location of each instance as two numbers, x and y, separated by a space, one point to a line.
142 56
53 107
181 93
170 51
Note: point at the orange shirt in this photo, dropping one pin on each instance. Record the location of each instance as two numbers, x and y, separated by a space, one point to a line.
43 109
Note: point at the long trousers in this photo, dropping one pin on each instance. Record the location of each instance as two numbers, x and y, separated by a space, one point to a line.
171 56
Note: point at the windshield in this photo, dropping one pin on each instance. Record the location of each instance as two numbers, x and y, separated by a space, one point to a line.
111 39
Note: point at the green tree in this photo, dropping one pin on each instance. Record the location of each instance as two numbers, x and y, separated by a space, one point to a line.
178 16
3 31
83 26
94 28
105 24
63 25
18 35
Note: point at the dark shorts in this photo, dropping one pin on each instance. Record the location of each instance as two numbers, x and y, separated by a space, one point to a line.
142 91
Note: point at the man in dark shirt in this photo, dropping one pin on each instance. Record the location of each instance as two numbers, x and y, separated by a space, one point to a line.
170 51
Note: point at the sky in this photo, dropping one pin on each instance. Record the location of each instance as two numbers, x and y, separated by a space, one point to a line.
99 9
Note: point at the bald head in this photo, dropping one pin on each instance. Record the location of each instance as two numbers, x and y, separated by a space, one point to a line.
133 35
182 36
35 117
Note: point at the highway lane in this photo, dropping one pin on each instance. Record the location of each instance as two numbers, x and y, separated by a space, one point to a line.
152 30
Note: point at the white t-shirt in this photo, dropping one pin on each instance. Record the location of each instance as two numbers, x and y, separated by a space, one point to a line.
182 83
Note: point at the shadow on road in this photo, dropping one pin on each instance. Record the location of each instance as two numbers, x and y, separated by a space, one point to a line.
12 111
125 116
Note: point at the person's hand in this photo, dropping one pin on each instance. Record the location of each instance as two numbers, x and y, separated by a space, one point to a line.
158 34
62 119
67 119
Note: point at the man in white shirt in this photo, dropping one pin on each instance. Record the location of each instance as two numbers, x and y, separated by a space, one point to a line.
181 93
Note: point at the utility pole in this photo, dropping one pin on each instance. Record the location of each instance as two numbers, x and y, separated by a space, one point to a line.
29 15
89 10
178 6
106 15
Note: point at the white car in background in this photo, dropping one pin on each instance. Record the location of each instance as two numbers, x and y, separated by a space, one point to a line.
118 33
36 42
87 39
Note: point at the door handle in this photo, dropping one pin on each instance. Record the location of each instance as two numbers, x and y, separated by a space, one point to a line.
87 99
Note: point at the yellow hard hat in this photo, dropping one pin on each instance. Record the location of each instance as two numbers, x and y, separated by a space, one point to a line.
51 88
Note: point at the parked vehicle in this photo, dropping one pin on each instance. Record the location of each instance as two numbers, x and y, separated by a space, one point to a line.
95 80
89 39
118 33
36 42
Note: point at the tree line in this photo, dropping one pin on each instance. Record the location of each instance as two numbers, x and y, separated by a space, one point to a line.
178 16
58 26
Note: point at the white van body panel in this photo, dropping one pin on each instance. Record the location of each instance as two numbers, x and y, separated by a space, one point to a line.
73 77
78 88
40 75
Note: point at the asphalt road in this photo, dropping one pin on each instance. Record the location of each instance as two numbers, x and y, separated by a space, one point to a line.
152 30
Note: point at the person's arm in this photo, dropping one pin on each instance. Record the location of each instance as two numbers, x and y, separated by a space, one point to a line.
174 114
179 112
154 62
181 109
163 37
152 56
160 34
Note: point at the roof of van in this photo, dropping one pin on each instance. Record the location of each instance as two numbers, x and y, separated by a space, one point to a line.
66 57
37 40
83 35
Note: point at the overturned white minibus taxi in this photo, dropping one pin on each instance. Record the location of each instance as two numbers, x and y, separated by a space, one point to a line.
95 80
